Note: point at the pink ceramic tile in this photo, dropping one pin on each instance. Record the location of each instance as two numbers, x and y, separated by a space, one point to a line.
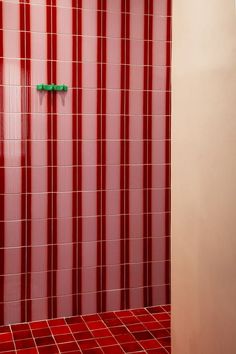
136 201
113 28
64 281
136 52
64 126
39 179
89 24
89 75
89 204
39 285
64 47
112 153
39 259
38 17
136 152
11 44
12 207
64 205
112 202
113 252
13 233
89 279
89 127
39 206
113 50
38 46
38 126
112 177
64 18
64 151
136 176
89 101
39 232
136 275
64 179
39 153
89 254
89 178
136 226
89 226
113 227
13 180
136 250
89 49
113 277
113 73
158 200
136 24
113 102
64 230
12 260
160 7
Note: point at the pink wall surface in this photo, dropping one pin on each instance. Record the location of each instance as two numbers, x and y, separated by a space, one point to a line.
84 174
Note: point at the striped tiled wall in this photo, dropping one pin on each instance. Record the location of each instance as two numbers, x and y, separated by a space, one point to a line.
84 174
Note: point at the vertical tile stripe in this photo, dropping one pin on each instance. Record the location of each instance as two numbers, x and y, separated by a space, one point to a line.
124 136
103 157
25 54
167 144
77 154
122 155
149 152
2 174
145 154
51 13
127 87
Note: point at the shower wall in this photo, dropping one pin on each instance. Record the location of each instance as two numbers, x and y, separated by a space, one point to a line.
84 174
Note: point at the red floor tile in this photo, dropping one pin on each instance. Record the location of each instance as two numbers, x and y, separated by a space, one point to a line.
145 330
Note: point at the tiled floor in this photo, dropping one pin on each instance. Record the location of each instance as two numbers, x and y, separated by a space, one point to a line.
135 331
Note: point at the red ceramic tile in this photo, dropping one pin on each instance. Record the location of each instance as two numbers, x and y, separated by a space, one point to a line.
160 333
166 308
5 329
27 351
49 349
123 313
91 318
115 349
131 347
139 312
38 325
43 332
130 320
66 347
139 327
60 330
145 318
153 325
162 316
100 333
56 322
24 343
83 335
77 327
74 320
112 322
104 342
93 351
165 324
107 315
125 338
156 309
22 334
142 335
64 338
150 344
5 337
157 351
165 341
20 327
119 330
88 344
96 325
42 341
6 346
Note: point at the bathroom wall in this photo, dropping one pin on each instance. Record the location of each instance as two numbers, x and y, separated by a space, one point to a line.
84 174
203 177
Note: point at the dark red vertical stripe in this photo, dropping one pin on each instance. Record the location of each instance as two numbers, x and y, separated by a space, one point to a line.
103 157
145 153
25 51
124 136
127 87
51 15
2 173
28 156
77 154
167 144
99 155
122 158
149 151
